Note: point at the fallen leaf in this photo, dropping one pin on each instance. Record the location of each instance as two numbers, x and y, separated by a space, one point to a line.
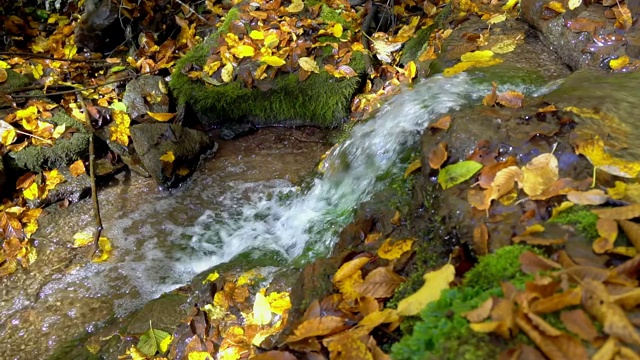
632 230
557 302
380 283
619 63
608 231
105 249
510 99
480 313
572 4
539 174
480 240
261 310
161 116
154 341
443 123
349 268
77 168
82 239
434 283
168 157
415 165
438 155
579 323
391 250
456 173
309 64
619 213
589 197
319 326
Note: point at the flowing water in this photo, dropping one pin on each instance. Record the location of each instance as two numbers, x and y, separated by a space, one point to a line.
162 240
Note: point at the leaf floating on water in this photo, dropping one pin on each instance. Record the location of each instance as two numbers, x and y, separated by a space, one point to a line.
434 283
443 123
456 173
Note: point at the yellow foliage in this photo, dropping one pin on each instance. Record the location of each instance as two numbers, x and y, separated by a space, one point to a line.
168 157
619 63
53 179
392 251
434 283
211 277
595 151
104 245
309 64
272 60
261 310
296 6
120 131
82 239
242 51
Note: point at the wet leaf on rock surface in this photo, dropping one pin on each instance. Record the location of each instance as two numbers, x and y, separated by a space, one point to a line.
392 249
456 173
154 341
434 283
438 155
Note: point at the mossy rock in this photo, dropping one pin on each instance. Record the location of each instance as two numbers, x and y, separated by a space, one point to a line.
163 313
63 152
442 333
320 100
14 81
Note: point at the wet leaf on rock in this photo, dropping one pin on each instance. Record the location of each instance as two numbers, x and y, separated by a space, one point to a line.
434 283
456 173
154 341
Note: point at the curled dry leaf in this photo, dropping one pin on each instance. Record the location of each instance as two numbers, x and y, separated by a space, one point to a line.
481 313
504 181
488 173
589 197
608 231
539 174
319 326
438 155
480 240
510 99
557 302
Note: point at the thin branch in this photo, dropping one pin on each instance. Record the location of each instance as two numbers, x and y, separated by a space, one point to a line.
193 11
92 175
47 57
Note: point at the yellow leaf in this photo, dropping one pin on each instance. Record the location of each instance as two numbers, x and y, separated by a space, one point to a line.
183 171
279 302
574 4
136 354
77 168
161 116
505 46
480 55
410 70
168 157
199 355
464 65
227 72
243 51
273 61
337 30
256 35
3 75
53 179
349 268
211 277
104 245
556 6
296 6
347 287
539 174
58 131
595 151
392 251
82 239
261 310
8 134
415 165
32 192
37 71
309 64
434 283
120 131
510 4
619 63
485 327
497 18
70 51
271 41
28 112
4 65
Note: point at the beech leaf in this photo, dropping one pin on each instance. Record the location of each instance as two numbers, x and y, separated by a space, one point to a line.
434 283
456 173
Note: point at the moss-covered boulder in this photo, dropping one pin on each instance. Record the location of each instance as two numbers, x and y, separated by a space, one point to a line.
185 146
64 151
284 94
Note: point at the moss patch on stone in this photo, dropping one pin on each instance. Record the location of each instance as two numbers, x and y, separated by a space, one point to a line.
320 100
14 81
442 333
64 152
581 218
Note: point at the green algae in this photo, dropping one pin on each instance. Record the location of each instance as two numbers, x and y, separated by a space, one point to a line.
581 218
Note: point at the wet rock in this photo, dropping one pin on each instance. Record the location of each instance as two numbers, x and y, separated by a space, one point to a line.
148 93
583 38
233 130
164 313
151 141
64 151
73 189
99 29
529 64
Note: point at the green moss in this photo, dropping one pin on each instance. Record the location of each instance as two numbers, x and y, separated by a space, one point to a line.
14 81
328 15
503 265
583 220
414 46
64 152
442 333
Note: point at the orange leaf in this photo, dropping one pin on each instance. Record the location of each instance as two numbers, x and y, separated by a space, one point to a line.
443 123
349 268
608 231
77 168
380 283
319 326
438 155
161 116
511 99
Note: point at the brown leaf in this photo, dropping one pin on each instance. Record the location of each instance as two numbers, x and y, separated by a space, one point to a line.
480 199
378 354
632 230
570 346
557 302
346 347
503 312
438 155
624 19
589 197
443 123
504 181
608 350
540 241
488 173
531 263
275 355
541 287
380 283
539 174
619 213
581 272
320 326
608 231
597 302
511 99
542 325
480 240
481 313
583 24
579 323
548 348
368 305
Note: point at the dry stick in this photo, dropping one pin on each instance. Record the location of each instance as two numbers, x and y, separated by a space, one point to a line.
92 175
83 89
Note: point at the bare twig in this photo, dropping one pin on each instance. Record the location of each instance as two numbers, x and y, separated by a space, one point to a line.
92 175
84 88
193 11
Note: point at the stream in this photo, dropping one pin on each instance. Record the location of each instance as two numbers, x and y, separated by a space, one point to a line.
234 203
